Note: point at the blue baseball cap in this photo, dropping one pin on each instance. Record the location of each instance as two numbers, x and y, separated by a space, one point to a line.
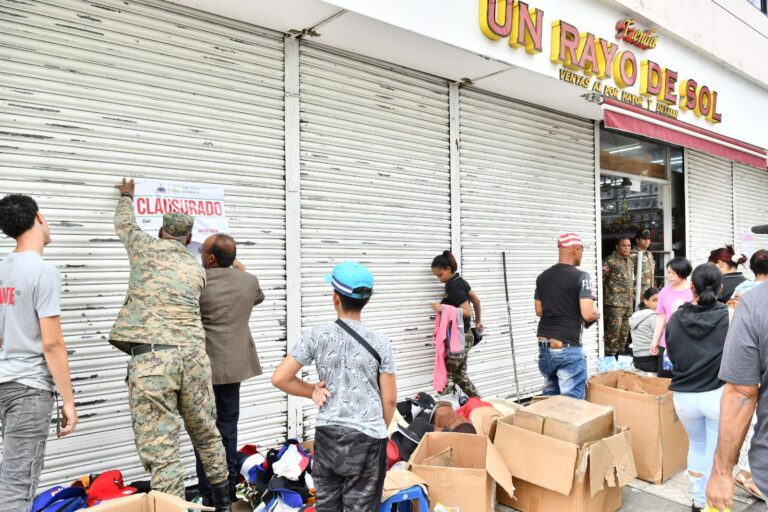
348 276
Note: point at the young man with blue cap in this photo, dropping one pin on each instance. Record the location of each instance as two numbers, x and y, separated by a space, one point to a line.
356 396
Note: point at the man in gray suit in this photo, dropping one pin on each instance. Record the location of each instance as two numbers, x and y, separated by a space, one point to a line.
225 306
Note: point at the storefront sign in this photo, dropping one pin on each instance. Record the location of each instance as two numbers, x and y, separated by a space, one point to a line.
589 61
204 202
629 33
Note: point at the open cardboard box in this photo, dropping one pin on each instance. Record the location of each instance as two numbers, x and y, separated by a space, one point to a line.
644 404
461 470
551 475
152 502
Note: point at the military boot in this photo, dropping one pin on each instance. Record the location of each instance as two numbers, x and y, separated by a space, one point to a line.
220 495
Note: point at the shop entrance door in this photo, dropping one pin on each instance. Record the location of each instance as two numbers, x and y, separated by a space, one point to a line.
642 188
630 205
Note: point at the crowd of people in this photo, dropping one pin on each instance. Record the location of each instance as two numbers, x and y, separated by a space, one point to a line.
185 326
705 329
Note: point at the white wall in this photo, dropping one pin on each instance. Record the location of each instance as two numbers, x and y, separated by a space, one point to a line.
732 31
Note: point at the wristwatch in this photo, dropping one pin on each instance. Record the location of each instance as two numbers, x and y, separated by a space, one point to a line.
126 194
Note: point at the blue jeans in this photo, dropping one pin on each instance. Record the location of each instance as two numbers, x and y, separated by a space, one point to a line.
700 414
565 370
25 414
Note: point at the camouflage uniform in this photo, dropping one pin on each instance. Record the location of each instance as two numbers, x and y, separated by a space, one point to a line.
350 468
619 290
647 278
457 369
162 307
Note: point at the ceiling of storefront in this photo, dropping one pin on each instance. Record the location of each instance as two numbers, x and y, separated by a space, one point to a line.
359 34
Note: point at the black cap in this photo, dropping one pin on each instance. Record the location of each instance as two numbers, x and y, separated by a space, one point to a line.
760 230
644 234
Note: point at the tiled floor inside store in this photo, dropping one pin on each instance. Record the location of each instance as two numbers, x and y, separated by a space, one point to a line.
672 496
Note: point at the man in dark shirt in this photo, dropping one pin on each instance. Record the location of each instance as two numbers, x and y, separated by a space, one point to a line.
564 301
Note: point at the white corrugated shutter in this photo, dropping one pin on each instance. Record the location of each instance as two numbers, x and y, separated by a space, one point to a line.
375 188
709 194
527 175
92 91
750 186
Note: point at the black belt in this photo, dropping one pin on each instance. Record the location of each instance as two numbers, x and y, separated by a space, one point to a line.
143 348
545 343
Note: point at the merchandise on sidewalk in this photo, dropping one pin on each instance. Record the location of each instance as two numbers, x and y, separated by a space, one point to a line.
644 404
584 473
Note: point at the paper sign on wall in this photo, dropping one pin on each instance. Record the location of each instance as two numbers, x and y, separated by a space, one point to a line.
747 242
204 202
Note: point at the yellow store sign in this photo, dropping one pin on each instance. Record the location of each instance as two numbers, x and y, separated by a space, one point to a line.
589 61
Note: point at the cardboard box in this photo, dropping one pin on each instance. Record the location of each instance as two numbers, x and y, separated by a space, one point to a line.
567 419
461 470
551 475
152 502
644 404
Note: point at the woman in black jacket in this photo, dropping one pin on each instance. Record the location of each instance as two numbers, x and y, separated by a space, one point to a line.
695 339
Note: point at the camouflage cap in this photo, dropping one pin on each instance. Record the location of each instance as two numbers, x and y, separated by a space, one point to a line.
177 224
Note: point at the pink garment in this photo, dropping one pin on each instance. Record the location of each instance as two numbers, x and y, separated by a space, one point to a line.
669 301
446 327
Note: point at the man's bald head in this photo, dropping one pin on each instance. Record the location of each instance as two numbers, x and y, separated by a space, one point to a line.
219 251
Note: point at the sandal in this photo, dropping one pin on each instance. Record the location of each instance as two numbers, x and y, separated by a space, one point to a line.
747 483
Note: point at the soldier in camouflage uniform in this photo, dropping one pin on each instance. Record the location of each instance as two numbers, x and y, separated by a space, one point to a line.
619 291
643 242
169 374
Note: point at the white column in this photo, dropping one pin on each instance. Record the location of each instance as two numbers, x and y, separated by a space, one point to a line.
455 167
599 242
292 219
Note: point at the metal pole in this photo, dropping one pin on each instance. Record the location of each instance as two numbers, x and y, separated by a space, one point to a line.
509 323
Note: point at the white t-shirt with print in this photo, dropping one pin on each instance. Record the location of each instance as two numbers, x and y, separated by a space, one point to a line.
350 374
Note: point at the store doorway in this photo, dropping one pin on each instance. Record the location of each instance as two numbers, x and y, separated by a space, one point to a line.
642 188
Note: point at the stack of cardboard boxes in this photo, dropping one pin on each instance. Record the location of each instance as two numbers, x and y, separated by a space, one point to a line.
554 455
565 454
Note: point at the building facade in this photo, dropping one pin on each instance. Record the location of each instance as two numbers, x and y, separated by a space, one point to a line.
384 132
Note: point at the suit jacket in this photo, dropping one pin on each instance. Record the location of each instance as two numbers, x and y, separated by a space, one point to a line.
225 307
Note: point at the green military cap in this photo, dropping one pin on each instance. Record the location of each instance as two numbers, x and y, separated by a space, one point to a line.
177 224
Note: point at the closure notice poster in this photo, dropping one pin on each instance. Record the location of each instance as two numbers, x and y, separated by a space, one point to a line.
202 201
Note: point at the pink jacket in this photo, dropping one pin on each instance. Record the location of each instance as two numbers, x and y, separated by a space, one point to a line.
446 328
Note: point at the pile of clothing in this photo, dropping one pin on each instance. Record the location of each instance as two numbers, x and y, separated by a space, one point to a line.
87 491
417 416
279 480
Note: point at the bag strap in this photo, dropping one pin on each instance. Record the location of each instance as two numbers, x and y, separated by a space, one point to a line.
360 340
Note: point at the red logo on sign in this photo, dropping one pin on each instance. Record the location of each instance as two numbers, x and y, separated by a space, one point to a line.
626 31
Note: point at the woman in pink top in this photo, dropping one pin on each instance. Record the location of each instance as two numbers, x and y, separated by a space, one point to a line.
671 297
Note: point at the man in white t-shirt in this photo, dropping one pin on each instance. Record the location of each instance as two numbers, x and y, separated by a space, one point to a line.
33 357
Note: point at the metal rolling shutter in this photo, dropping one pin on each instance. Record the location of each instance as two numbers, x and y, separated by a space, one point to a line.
709 194
375 188
750 186
527 174
92 91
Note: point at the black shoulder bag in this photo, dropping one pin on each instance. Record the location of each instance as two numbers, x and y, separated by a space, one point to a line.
367 346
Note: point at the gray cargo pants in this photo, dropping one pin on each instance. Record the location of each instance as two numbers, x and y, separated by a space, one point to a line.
25 414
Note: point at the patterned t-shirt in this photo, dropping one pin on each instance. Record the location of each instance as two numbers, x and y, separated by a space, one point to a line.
350 374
